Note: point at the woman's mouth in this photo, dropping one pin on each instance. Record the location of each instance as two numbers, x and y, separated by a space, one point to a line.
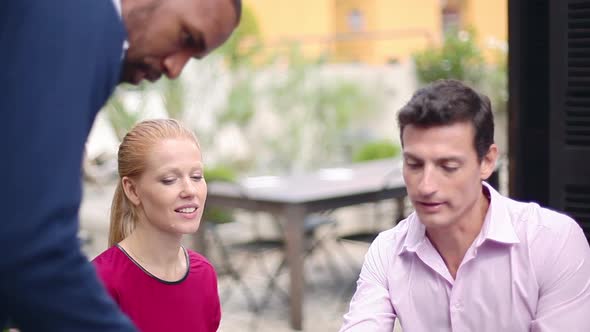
187 212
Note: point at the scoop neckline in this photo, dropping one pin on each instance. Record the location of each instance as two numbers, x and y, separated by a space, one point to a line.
152 275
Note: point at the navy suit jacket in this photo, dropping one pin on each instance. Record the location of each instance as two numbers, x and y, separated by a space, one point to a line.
60 61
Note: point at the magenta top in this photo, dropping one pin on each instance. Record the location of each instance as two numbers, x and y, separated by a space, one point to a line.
154 305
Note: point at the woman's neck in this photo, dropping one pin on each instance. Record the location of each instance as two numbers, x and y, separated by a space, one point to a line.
160 255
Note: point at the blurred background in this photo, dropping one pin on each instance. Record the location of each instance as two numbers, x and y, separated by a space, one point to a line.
303 86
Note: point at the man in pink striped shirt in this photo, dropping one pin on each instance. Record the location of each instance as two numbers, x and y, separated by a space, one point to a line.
468 258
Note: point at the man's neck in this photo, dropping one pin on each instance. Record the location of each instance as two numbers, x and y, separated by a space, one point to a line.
453 242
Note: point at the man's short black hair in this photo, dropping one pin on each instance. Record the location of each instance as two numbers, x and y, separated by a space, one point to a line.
446 102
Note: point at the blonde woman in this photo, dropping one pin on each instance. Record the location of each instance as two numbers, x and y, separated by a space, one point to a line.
161 194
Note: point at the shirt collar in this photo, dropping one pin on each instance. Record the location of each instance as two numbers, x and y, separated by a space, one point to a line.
497 225
415 236
117 4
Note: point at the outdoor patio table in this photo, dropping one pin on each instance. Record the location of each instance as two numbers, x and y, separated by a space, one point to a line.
292 198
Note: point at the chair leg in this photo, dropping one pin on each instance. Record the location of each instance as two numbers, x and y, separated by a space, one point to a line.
233 273
329 257
347 296
272 284
312 248
346 255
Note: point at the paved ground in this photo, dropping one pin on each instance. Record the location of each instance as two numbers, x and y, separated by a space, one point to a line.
327 293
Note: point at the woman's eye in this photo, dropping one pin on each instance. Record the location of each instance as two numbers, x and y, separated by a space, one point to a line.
168 181
197 177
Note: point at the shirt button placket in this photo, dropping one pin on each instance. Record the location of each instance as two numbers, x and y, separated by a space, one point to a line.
456 309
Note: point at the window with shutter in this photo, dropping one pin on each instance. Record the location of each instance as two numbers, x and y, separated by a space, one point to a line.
570 109
549 85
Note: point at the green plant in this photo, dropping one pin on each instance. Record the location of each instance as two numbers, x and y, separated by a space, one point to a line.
240 105
315 109
173 94
245 42
380 149
495 84
121 117
218 174
458 57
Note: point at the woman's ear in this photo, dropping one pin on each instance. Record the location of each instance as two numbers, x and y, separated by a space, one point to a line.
488 162
130 190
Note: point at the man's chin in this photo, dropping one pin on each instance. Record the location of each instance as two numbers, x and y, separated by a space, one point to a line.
132 74
137 77
131 78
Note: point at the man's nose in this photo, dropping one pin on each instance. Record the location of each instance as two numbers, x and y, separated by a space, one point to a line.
173 64
427 185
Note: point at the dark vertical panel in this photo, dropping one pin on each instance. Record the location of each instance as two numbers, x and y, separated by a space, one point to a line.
570 109
528 63
549 123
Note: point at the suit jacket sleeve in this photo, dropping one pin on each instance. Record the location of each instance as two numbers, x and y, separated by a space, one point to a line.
61 61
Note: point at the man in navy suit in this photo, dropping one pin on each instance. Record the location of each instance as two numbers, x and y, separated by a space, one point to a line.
61 61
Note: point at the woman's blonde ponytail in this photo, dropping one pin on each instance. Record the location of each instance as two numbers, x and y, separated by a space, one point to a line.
122 217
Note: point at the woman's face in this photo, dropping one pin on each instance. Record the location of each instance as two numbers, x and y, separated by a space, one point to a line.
170 194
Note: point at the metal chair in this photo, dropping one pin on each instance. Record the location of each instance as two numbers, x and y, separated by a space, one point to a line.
213 242
254 250
368 235
314 242
226 268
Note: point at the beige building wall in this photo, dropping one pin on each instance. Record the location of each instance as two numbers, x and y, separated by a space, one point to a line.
306 21
353 20
407 27
372 31
489 18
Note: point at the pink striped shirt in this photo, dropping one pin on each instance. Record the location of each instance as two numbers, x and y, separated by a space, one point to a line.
528 270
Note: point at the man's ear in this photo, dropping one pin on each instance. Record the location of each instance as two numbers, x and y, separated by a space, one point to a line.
488 162
130 190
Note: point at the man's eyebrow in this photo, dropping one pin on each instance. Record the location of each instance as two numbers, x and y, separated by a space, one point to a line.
443 160
410 155
450 160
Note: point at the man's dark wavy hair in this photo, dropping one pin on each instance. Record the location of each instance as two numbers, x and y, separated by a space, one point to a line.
446 102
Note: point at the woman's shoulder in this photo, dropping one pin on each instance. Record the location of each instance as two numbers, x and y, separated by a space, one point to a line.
199 262
112 267
107 257
108 263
